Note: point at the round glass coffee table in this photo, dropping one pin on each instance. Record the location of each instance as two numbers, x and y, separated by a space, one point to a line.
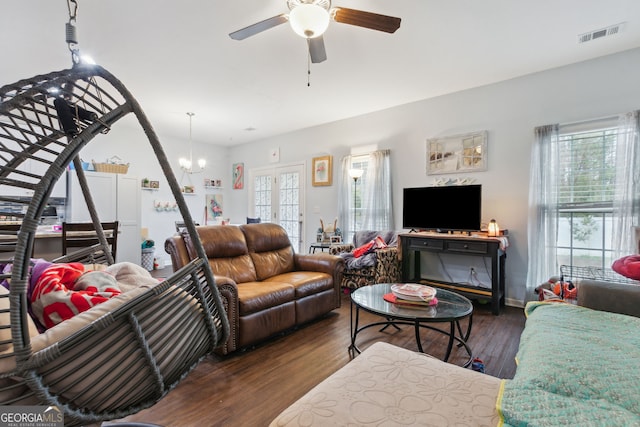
451 308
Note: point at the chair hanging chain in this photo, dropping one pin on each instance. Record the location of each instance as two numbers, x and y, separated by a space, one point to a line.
70 32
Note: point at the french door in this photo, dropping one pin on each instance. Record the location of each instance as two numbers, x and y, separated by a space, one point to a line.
277 195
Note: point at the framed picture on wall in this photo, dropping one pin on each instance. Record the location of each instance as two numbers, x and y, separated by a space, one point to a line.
238 176
457 153
322 171
214 208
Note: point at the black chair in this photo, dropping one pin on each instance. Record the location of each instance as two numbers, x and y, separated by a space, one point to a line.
180 225
8 239
84 235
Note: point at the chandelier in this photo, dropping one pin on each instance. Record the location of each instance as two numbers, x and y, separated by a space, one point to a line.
187 164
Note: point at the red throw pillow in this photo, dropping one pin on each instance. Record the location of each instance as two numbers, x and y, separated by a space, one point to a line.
358 252
628 266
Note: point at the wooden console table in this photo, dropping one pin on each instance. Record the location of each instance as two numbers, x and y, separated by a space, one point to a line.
412 244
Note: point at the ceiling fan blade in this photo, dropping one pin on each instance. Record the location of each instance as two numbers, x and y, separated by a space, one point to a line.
374 21
259 27
316 50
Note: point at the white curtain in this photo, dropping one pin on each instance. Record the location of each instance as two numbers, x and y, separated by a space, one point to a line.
345 199
543 207
376 204
626 203
377 210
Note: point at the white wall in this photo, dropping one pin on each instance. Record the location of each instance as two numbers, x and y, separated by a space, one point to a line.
508 110
127 141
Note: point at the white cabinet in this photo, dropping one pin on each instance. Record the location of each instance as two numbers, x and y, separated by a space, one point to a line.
117 198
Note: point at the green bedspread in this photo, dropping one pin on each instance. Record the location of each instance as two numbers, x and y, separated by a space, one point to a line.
576 367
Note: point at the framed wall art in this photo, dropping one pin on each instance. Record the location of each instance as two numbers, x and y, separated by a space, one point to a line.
214 208
457 153
238 176
322 171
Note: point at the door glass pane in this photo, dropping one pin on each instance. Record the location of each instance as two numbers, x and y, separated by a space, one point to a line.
290 206
262 197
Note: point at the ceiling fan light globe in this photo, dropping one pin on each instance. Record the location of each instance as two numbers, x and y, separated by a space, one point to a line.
309 20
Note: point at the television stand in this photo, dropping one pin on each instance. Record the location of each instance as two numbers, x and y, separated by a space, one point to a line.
456 245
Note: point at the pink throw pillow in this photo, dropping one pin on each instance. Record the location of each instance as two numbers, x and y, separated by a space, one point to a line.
628 266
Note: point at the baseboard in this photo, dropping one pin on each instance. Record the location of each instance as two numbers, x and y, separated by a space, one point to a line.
513 303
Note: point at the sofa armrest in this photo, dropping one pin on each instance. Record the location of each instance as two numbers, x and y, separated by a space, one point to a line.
611 297
228 290
387 265
323 263
390 252
177 249
339 248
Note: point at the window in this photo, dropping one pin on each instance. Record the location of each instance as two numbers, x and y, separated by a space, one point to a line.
586 189
356 206
584 196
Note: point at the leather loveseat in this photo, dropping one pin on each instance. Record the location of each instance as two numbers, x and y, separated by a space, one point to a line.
266 287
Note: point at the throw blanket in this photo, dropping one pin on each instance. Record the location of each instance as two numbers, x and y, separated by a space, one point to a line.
63 290
58 292
365 243
576 366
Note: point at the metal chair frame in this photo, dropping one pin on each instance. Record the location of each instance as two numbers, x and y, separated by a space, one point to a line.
46 120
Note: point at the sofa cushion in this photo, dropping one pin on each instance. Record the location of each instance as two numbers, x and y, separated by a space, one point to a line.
270 249
239 268
305 283
227 251
258 296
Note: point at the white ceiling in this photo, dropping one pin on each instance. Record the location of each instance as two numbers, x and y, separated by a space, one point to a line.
177 56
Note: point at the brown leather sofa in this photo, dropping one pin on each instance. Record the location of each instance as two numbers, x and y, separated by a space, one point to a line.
266 287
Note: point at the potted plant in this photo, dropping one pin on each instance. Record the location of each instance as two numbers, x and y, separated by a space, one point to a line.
145 182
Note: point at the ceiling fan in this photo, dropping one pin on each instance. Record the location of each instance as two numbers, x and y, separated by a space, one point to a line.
310 19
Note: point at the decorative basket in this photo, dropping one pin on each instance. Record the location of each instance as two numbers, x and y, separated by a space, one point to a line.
113 165
110 168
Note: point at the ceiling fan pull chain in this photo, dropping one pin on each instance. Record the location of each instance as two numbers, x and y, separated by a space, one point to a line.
308 62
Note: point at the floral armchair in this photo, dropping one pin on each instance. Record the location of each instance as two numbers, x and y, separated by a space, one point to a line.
379 264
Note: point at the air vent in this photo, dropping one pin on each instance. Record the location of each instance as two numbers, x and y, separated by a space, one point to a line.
603 32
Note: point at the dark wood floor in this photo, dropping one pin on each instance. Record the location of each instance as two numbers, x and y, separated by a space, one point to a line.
252 387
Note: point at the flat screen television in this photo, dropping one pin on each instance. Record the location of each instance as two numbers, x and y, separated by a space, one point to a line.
442 209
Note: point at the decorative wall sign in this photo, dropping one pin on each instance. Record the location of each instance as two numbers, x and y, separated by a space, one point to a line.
238 176
322 171
457 153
